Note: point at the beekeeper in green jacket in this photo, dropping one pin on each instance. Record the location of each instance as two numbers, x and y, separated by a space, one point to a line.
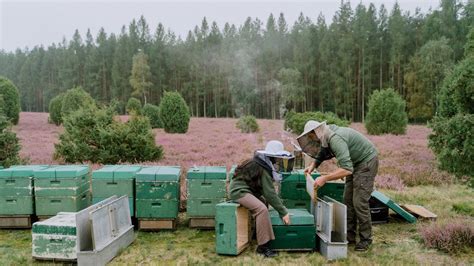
252 187
357 161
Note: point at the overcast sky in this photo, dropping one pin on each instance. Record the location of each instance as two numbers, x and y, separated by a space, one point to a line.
34 22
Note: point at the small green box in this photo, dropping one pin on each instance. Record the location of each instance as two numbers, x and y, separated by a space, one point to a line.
61 176
60 191
394 206
202 207
48 206
104 188
55 238
18 180
299 235
232 228
158 182
131 203
297 204
207 172
16 205
157 208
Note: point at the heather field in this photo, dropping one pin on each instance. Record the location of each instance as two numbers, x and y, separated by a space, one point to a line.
407 173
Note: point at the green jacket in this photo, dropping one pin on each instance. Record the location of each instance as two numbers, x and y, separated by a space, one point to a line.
238 189
350 148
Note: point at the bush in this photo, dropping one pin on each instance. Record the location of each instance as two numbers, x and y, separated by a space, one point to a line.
9 146
386 113
11 100
153 113
92 135
288 118
247 124
452 237
296 121
55 106
174 113
134 106
452 141
75 99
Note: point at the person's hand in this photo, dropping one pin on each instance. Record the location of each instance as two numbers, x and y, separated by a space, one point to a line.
286 219
319 182
309 169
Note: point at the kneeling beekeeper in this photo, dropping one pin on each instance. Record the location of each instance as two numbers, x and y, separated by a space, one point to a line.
253 179
358 162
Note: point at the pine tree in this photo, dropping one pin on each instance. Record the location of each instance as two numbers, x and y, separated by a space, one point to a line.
140 77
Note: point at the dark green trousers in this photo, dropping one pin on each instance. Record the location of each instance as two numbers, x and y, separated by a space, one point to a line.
357 192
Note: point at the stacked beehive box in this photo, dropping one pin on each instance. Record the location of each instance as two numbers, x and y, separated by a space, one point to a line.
63 188
299 235
206 187
157 197
115 180
17 195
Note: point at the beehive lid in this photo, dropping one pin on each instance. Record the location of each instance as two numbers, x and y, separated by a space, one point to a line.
159 173
21 170
297 176
297 217
394 206
62 171
207 172
116 172
61 224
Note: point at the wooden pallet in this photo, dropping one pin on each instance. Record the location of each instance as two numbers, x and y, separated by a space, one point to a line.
202 222
158 224
16 221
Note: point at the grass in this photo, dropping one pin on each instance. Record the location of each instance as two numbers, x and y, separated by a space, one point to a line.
394 243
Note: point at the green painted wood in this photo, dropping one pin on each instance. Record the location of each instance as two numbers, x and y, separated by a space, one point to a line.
57 190
207 172
116 172
297 217
296 237
157 208
47 206
131 203
62 172
202 207
16 186
20 171
159 173
157 190
226 228
104 188
394 206
16 205
334 190
209 188
293 185
297 204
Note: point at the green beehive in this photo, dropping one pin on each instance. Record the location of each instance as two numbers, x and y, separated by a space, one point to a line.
115 180
158 192
207 182
299 235
297 204
293 185
55 238
333 189
232 228
206 187
63 188
16 190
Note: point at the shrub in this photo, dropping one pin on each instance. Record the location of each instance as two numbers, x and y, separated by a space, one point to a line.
91 134
153 113
11 100
247 124
296 121
134 106
452 141
288 118
174 113
75 99
55 106
386 113
452 237
9 146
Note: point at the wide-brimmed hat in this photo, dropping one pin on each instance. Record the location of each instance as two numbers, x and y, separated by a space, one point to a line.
310 126
275 148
